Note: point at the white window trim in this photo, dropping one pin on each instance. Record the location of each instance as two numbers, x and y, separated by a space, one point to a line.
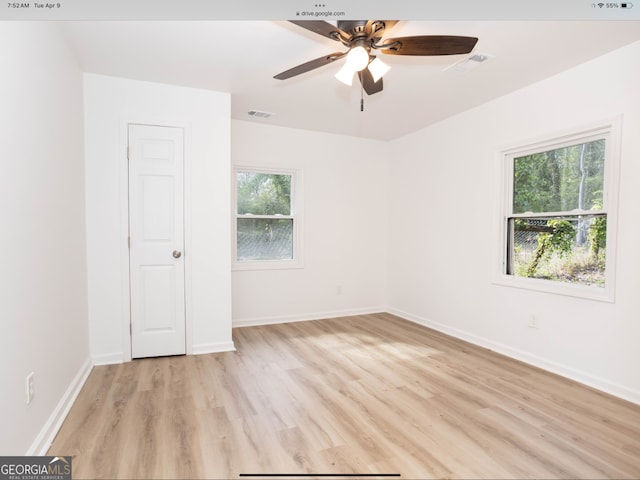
296 216
610 130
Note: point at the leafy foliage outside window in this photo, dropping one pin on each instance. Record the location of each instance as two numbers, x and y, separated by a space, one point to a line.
263 193
557 227
264 220
559 239
560 180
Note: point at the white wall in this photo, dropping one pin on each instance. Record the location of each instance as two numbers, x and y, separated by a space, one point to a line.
111 103
43 294
345 224
444 185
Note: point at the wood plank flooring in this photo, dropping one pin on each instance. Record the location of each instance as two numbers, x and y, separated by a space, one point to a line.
371 394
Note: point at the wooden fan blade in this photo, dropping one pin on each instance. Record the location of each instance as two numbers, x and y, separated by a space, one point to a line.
366 79
428 45
311 65
321 28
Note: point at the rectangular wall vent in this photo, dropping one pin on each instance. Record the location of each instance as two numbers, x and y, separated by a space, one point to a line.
259 114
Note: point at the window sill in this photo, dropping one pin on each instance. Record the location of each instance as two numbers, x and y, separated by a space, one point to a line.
604 294
267 265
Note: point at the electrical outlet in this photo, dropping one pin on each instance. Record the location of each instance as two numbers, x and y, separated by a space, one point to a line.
338 289
31 391
533 321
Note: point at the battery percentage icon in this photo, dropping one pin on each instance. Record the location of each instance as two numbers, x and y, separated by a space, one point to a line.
626 5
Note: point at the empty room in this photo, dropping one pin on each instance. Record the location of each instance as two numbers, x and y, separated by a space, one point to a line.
289 243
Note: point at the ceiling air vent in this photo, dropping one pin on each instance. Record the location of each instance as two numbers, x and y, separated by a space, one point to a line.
469 63
259 114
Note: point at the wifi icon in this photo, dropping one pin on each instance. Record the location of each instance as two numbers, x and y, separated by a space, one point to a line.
601 5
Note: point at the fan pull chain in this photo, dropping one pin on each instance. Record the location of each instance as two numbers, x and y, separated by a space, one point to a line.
361 98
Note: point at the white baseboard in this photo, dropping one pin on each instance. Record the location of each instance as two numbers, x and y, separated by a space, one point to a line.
48 433
598 383
108 358
203 348
253 322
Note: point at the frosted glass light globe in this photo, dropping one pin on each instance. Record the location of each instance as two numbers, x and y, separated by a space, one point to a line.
378 68
345 75
357 59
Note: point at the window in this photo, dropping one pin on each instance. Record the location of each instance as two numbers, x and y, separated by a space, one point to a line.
266 219
557 222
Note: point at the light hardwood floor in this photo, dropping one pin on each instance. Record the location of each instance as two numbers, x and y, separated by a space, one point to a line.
370 394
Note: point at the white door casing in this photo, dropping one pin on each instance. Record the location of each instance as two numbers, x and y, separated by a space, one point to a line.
156 240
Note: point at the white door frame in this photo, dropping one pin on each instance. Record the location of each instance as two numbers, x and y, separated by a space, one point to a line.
124 225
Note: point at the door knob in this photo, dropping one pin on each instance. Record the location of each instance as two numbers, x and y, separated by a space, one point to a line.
177 254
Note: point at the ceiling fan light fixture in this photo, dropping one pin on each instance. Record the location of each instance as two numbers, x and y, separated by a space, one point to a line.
378 68
345 74
361 37
357 59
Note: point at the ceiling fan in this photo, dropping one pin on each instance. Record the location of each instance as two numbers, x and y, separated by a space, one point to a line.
362 38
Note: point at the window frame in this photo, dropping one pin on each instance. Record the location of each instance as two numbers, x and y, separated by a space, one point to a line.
610 132
295 215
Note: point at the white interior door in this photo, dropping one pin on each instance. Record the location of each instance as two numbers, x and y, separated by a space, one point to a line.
156 230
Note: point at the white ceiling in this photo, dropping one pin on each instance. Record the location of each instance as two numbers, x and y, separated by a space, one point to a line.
242 57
